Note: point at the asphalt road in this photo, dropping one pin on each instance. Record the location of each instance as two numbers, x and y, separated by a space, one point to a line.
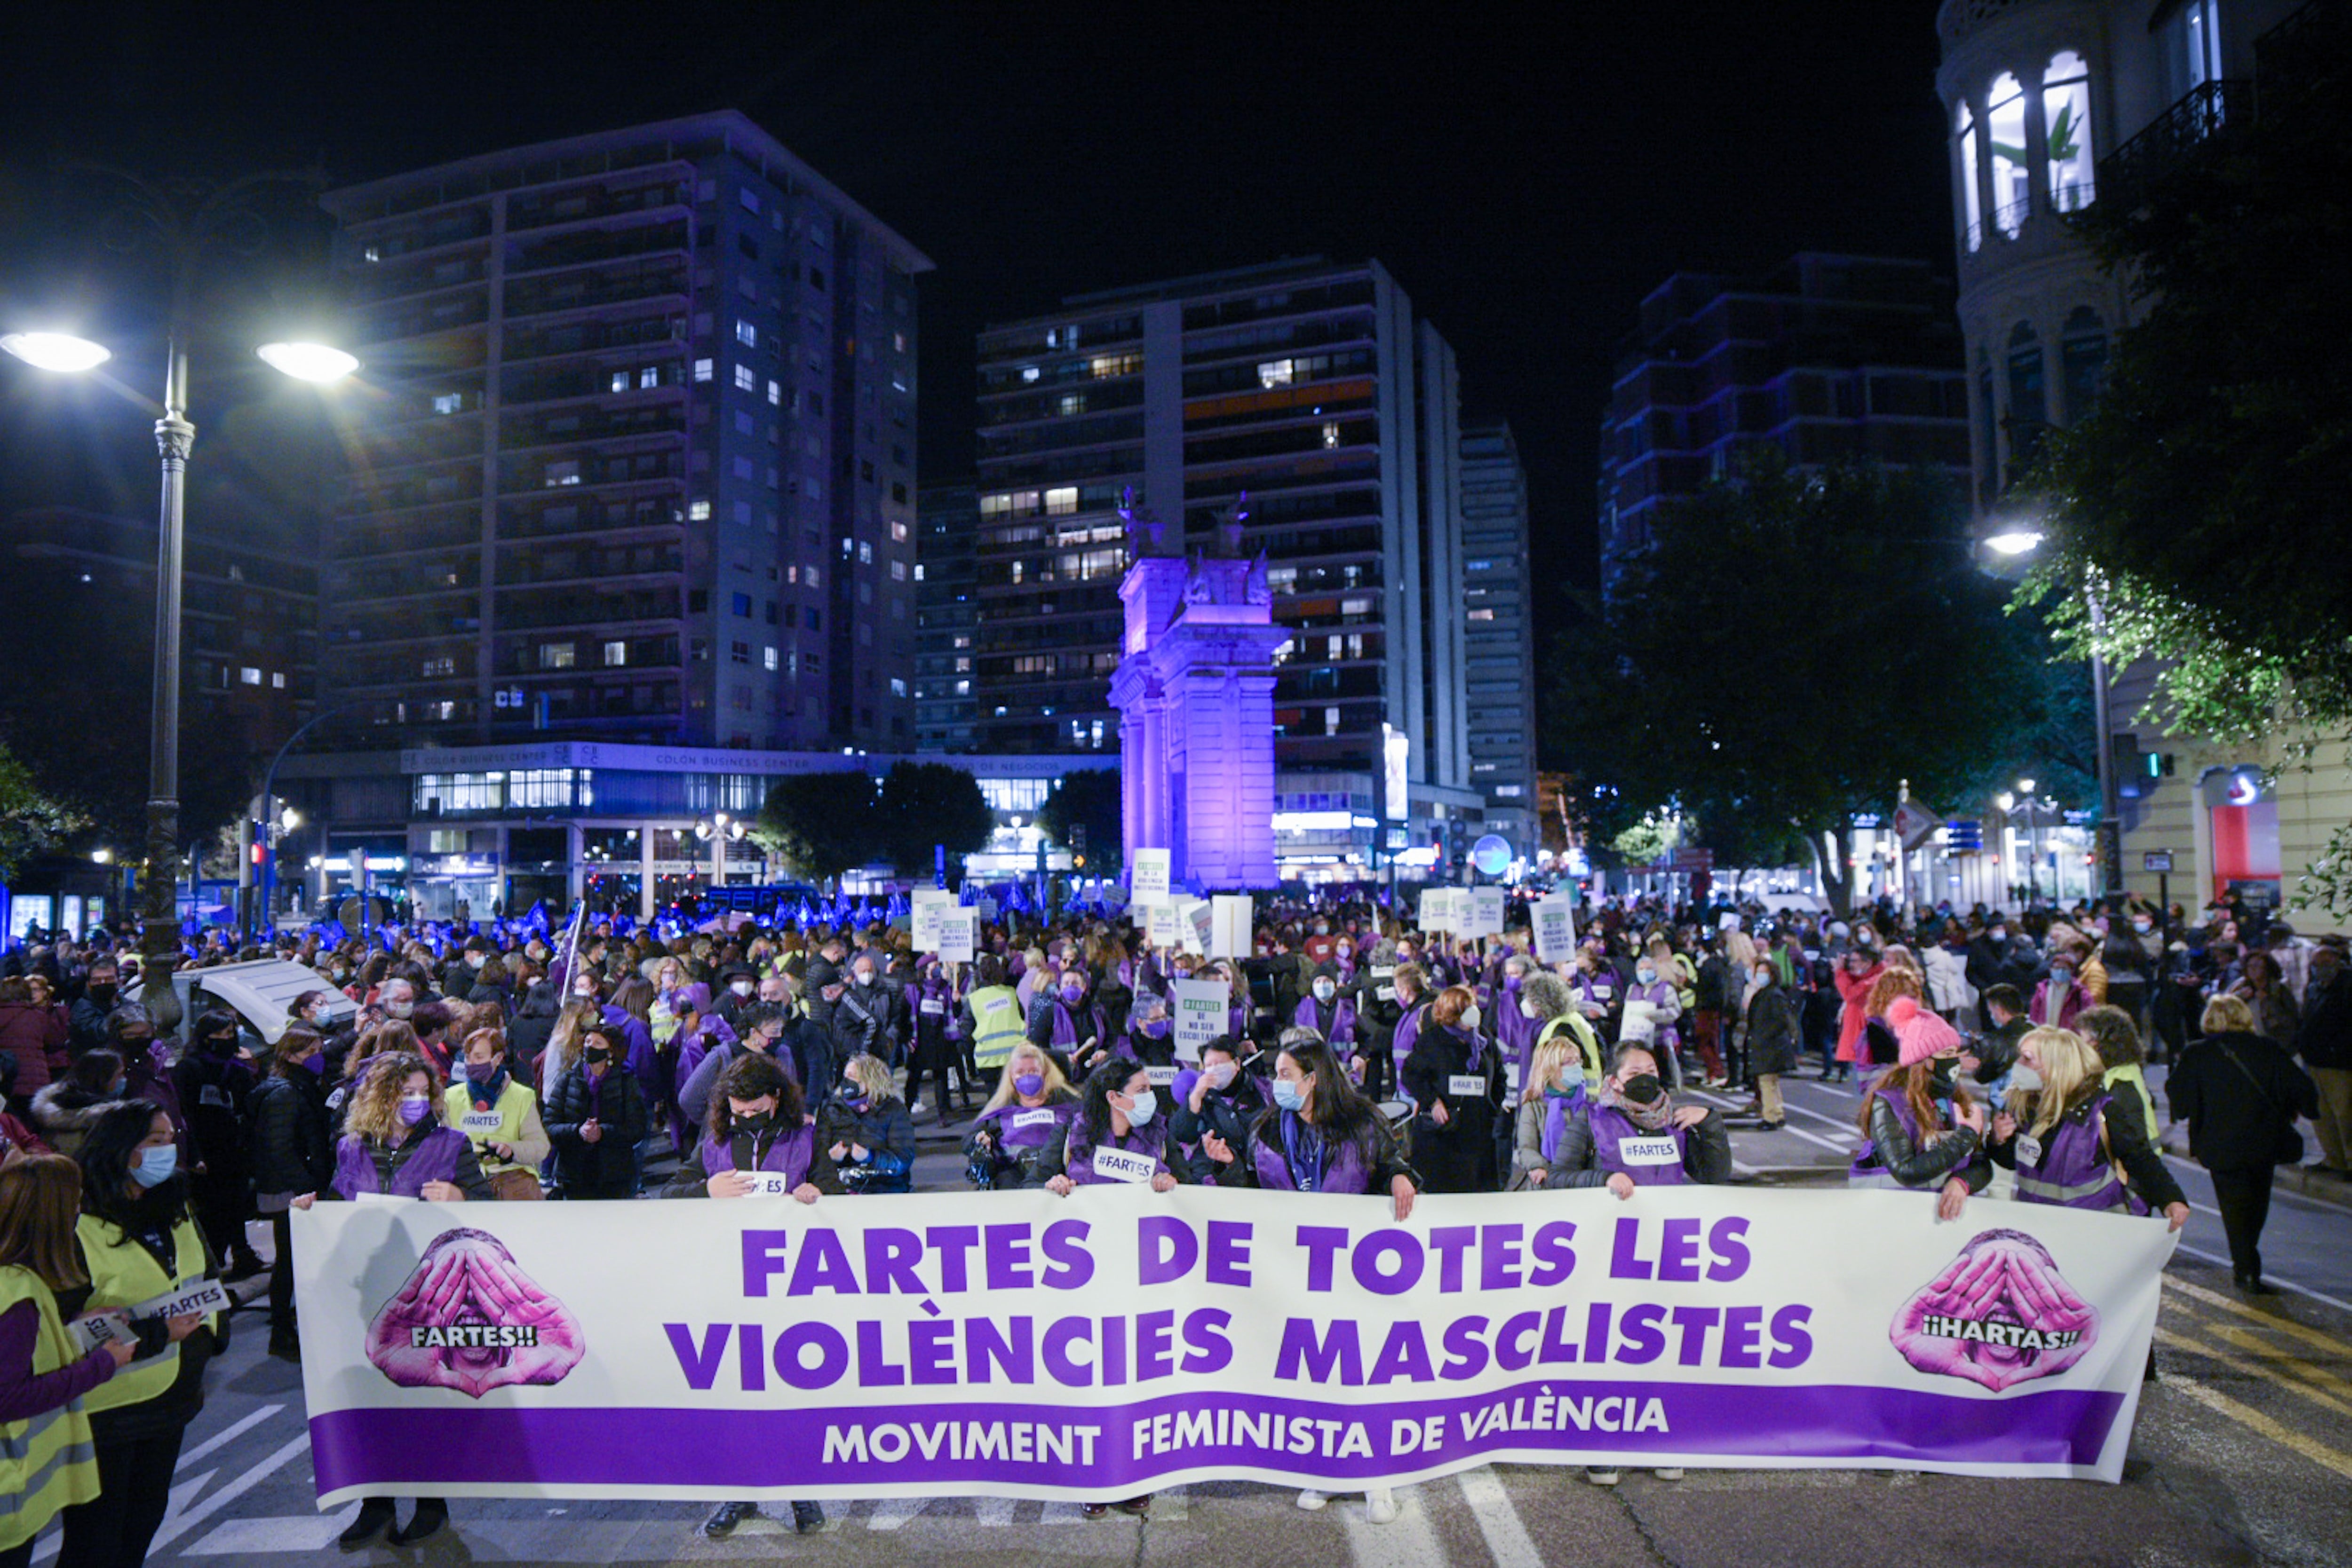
2242 1455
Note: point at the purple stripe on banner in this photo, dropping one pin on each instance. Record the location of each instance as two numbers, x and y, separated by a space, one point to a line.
1120 1449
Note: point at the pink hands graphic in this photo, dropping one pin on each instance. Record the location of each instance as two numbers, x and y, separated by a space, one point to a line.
1998 1315
468 1319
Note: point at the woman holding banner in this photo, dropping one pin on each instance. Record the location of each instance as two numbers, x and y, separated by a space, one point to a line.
2069 1140
1216 1105
867 1132
757 1127
1321 1135
1454 1079
1028 1114
1555 1094
1925 1131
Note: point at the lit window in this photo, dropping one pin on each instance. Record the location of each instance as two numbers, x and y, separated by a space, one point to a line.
897 571
1481 615
897 531
1330 433
373 254
776 394
1274 373
767 656
699 511
278 680
2066 131
897 687
1970 202
249 675
898 341
648 377
1028 372
1062 500
745 381
620 380
2005 122
1070 402
747 334
563 472
616 655
702 370
1330 721
864 551
555 656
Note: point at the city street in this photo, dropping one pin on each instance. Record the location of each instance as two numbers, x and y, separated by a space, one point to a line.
2241 1457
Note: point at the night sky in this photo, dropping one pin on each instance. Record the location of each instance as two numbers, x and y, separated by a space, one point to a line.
1525 181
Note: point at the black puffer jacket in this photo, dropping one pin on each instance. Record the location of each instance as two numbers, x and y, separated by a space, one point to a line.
287 1124
607 1168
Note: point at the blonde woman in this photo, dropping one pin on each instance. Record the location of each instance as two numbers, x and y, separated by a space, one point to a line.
2065 1144
1032 1106
395 1037
1554 1095
2240 1092
564 1041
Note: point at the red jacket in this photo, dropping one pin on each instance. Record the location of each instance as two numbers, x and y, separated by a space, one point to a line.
1855 989
35 1036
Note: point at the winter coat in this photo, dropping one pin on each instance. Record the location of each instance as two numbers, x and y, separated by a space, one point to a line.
64 1113
2325 1037
35 1036
213 1090
1772 1042
2236 1119
287 1141
608 1168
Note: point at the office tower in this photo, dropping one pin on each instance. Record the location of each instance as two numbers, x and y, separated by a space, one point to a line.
947 518
1307 387
1498 631
634 459
1826 357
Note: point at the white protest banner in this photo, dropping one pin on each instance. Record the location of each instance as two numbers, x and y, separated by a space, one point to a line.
1148 877
1484 913
1204 1011
959 936
1165 926
929 923
1121 1340
1229 932
1555 922
1197 918
1444 908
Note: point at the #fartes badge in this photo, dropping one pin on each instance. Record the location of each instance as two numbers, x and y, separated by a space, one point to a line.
1118 1165
1657 1151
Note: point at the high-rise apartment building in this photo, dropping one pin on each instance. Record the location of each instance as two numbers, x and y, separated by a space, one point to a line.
639 460
947 526
1826 357
1498 631
1304 397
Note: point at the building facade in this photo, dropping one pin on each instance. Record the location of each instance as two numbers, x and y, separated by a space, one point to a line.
1303 401
1498 633
2052 105
634 456
947 616
1827 357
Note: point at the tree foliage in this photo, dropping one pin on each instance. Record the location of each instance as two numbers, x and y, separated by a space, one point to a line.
923 804
823 823
32 822
1794 647
1093 798
2207 500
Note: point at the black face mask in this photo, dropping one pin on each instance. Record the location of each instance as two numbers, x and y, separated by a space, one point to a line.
1943 1074
753 1125
220 1044
101 994
1642 1089
597 1056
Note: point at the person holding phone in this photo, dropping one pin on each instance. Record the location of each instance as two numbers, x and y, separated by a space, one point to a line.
596 1117
1029 1112
1926 1132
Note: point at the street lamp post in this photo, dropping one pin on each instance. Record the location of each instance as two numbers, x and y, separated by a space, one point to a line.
189 233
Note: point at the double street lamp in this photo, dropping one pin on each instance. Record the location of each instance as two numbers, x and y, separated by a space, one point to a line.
175 437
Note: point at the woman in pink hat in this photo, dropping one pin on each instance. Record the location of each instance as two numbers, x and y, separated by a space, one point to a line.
1924 1132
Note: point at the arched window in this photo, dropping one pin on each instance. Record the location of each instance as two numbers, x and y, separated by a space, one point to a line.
2066 121
2005 138
2083 359
1971 204
2028 404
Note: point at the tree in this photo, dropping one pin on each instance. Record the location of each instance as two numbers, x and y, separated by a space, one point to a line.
1091 798
823 823
924 804
1793 648
31 822
2206 501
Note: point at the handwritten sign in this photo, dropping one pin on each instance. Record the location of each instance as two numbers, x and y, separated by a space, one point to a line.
1485 913
1555 923
1148 877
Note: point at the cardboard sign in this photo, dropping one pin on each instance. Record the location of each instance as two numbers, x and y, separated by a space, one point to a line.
1204 1008
1485 913
1148 876
194 1296
1231 935
1041 1117
1555 923
1197 919
1118 1165
1436 909
1164 926
959 936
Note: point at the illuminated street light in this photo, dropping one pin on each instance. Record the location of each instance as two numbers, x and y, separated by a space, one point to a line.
2015 542
308 361
57 352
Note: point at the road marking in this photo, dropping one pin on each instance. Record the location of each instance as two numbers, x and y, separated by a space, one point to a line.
2278 1194
1499 1521
2252 1369
1061 1513
228 1435
285 1532
2254 1420
2280 1281
893 1512
994 1512
175 1527
1405 1541
2328 1342
2294 1365
1817 1138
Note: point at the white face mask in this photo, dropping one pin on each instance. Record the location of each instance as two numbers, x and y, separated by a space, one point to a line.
1530 1012
1472 1017
740 988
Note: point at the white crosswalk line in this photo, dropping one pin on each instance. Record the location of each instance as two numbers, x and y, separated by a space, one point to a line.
281 1534
228 1435
1499 1521
1405 1541
893 1512
175 1527
994 1512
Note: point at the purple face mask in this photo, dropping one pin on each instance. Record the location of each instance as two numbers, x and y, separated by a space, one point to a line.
1074 994
1028 1083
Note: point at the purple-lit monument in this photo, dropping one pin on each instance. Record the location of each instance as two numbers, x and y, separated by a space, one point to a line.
1195 695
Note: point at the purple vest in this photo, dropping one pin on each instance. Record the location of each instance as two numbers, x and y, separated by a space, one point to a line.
432 1157
1867 1169
2072 1172
1341 1028
791 1154
1610 1127
1343 1168
1013 1133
